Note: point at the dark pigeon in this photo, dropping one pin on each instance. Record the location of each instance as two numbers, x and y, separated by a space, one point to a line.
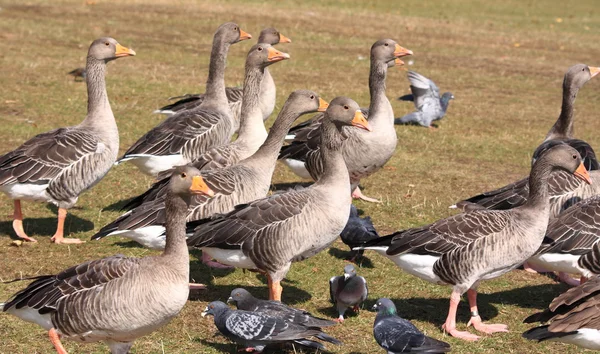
358 231
426 97
78 74
243 300
255 331
397 335
349 290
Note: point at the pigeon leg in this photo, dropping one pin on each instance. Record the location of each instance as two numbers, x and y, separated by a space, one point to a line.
357 194
59 235
450 324
476 320
18 222
55 339
207 260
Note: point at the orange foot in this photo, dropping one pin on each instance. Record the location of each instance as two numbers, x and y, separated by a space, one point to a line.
470 337
486 328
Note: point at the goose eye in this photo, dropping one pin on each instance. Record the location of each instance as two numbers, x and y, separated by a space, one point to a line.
346 107
235 28
574 157
312 97
259 49
386 44
183 175
106 43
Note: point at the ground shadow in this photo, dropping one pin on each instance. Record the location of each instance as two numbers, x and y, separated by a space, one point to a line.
291 294
47 225
273 348
118 206
361 261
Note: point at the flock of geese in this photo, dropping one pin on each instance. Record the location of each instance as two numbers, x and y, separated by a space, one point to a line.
212 194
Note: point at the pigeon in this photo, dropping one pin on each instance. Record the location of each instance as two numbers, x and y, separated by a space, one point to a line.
78 73
255 330
426 97
349 290
397 335
357 232
243 300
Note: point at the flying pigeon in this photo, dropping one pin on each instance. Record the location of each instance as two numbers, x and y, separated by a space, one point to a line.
349 290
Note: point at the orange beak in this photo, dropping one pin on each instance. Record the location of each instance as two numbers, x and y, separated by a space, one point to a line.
322 105
360 121
582 173
275 55
398 62
594 70
123 51
284 39
401 52
200 187
244 35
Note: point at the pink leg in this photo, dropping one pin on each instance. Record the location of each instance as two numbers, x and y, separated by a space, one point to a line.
55 339
566 278
450 325
207 260
340 319
476 319
59 235
357 194
529 268
18 222
194 286
583 279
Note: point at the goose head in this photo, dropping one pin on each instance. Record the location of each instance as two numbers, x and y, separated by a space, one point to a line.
389 52
345 111
306 101
107 49
272 36
187 181
578 75
563 156
263 55
231 33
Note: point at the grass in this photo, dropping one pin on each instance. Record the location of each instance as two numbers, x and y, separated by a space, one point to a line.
504 62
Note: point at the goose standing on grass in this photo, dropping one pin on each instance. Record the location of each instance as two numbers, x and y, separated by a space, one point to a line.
516 193
234 94
183 137
465 249
117 299
269 234
244 182
571 318
426 97
57 166
364 152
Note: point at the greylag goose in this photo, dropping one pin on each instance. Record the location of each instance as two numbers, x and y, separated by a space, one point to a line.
348 290
257 330
426 97
467 248
246 181
397 335
357 232
116 299
78 74
269 234
571 318
571 243
234 94
57 166
364 152
183 137
516 193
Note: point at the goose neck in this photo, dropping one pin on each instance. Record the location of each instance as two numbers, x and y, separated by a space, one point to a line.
380 107
252 127
538 185
334 166
563 128
215 84
176 248
99 115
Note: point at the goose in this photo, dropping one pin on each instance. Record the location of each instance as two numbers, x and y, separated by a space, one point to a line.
57 166
571 318
116 299
269 234
516 193
364 153
426 97
571 243
234 94
467 248
244 182
181 138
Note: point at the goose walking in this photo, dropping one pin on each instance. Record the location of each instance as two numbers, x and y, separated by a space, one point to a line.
364 152
235 94
116 299
57 166
183 137
467 248
269 234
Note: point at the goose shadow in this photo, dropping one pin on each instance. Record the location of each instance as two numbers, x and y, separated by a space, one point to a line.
46 226
361 260
118 206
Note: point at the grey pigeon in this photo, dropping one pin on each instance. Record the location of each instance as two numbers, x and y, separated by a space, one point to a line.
358 231
349 290
78 73
426 97
255 330
397 335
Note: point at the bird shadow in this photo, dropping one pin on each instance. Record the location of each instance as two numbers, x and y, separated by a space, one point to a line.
118 206
284 187
47 225
273 348
361 261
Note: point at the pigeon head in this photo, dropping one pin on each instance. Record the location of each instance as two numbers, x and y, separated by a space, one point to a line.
385 306
349 271
214 308
238 296
447 96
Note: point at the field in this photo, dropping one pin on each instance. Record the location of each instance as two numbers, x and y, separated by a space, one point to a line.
504 62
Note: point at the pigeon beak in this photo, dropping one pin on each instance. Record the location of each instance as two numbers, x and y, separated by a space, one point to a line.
582 173
360 121
374 308
346 276
230 300
594 71
322 105
204 313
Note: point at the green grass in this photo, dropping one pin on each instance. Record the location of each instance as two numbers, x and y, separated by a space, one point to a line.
503 60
